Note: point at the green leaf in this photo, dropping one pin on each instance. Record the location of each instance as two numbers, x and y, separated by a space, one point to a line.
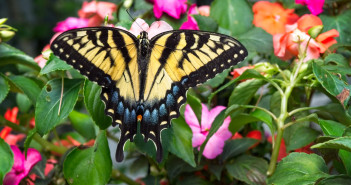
181 142
332 83
299 168
338 143
256 39
28 86
236 16
47 114
337 63
336 111
95 105
11 55
54 64
340 23
236 147
4 88
191 180
216 170
28 140
89 165
83 124
23 102
249 169
206 23
6 159
244 92
301 137
240 120
176 166
263 116
195 105
335 179
218 79
331 128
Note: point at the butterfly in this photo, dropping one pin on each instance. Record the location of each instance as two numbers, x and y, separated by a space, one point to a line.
145 81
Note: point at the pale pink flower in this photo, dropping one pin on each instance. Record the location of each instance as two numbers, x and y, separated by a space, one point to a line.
140 25
215 144
96 11
174 8
21 166
204 10
315 6
71 23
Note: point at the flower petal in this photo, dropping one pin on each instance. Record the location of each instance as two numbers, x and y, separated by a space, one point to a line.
308 21
138 26
158 27
190 24
33 157
191 119
326 39
214 147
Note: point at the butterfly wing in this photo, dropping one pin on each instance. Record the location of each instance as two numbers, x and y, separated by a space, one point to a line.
107 56
181 59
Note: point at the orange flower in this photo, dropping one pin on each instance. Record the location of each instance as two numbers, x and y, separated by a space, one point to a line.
287 45
272 17
96 11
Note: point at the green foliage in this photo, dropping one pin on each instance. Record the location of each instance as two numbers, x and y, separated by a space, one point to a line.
89 165
6 159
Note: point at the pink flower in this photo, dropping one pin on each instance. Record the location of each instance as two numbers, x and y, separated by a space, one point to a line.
174 8
191 23
215 144
239 71
315 6
21 166
96 11
286 45
71 23
140 25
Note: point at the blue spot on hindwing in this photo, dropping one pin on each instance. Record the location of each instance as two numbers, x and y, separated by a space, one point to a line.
154 117
184 81
175 90
147 116
126 118
120 108
170 100
133 116
163 110
114 97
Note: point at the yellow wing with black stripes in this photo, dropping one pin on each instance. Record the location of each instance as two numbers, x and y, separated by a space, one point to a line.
180 59
109 57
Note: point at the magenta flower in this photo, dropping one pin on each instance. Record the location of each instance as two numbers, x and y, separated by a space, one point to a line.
174 8
71 23
191 23
215 144
315 6
21 166
140 25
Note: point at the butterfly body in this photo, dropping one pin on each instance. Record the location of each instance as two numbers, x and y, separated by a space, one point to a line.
145 80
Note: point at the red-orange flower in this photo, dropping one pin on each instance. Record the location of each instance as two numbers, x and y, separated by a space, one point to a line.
272 17
96 11
287 45
10 115
239 71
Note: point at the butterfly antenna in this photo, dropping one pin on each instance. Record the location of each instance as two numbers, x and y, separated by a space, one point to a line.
134 19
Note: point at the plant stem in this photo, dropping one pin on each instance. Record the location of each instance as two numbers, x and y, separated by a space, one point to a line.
116 174
44 143
301 109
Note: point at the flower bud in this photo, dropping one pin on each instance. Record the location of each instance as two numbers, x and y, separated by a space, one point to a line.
315 31
127 4
46 54
6 35
265 67
3 20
